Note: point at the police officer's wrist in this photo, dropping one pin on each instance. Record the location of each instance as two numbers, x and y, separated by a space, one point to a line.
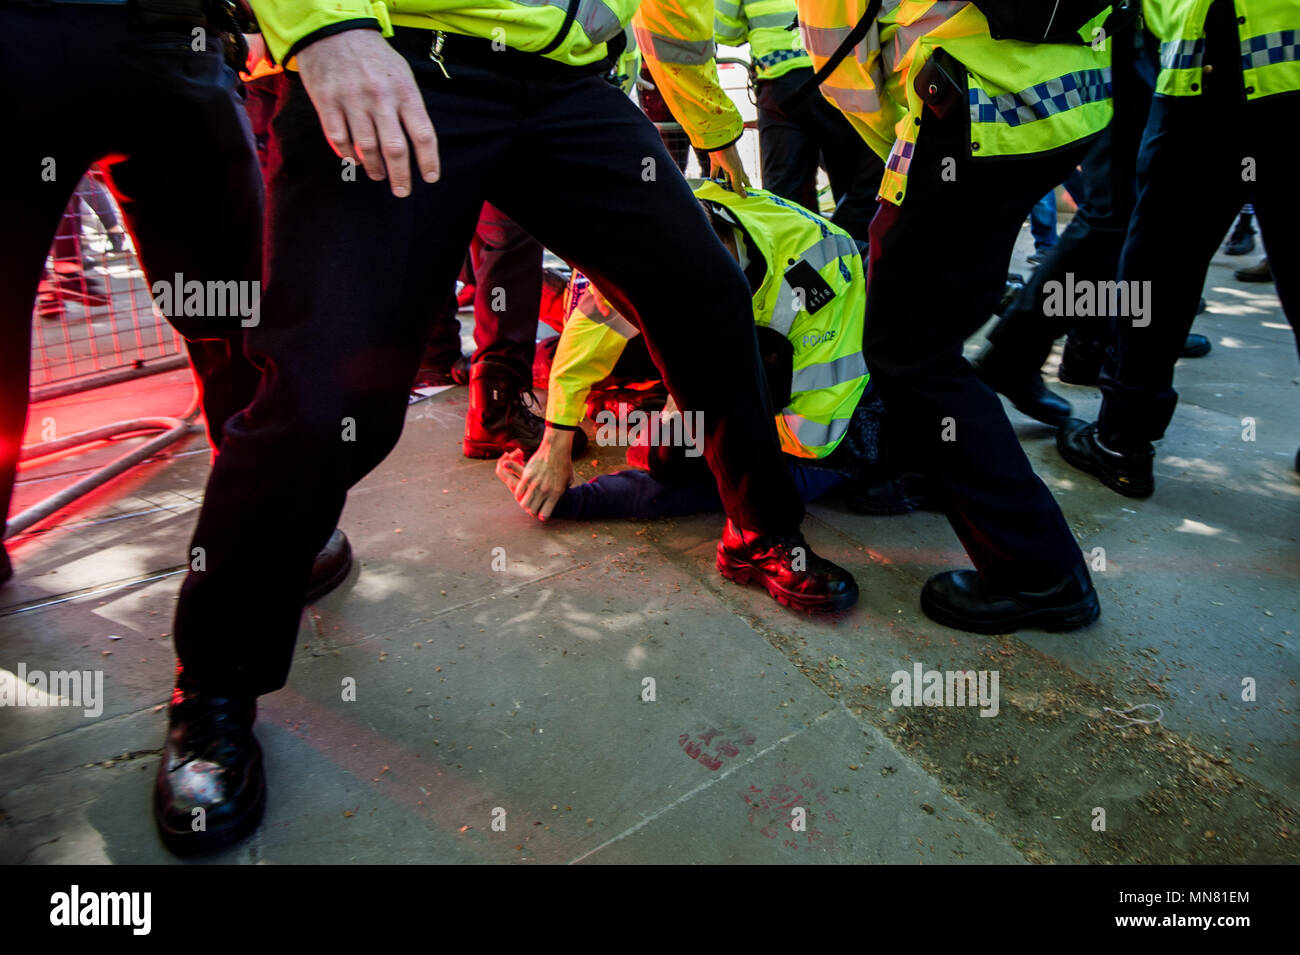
363 23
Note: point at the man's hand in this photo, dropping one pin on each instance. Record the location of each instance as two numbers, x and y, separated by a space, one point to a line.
369 105
547 475
728 160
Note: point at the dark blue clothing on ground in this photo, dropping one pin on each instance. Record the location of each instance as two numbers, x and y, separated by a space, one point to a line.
636 494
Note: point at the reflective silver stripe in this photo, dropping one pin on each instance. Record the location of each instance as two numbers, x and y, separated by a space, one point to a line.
1182 54
778 20
668 49
598 21
902 39
828 374
853 101
823 41
615 322
727 9
812 434
783 312
829 249
1269 48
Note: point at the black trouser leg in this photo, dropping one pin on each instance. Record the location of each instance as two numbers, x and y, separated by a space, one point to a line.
205 141
689 298
1168 251
921 307
351 275
507 292
787 153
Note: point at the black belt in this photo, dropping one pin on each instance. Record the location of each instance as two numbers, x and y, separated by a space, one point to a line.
476 51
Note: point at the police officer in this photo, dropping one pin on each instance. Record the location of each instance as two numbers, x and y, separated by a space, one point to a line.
975 131
445 110
1226 107
796 133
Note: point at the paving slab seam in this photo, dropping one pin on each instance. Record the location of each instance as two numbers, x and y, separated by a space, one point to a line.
707 784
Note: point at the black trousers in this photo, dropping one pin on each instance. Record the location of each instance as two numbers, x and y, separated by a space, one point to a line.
507 291
936 270
1089 247
790 145
350 273
179 157
1225 151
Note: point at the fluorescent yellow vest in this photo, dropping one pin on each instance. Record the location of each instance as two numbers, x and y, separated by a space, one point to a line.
1269 31
674 36
1023 98
774 48
830 373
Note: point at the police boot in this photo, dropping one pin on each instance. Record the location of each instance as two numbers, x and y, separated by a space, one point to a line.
960 599
499 418
1081 362
1259 272
1242 239
211 787
1125 471
1024 388
787 568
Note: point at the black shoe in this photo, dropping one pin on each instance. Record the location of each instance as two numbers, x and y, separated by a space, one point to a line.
959 599
1196 346
442 374
787 568
1259 272
1242 239
1026 391
460 370
1036 258
900 495
1128 473
213 763
331 567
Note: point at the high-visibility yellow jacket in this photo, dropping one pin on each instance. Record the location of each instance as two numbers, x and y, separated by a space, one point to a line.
1022 97
813 292
774 48
674 36
1269 31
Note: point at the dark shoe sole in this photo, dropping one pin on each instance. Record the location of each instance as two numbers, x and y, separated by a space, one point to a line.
340 575
1119 486
743 572
1053 619
186 842
1197 351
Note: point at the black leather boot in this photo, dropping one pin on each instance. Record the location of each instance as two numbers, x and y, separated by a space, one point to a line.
1259 272
1242 239
1024 389
1126 472
331 566
1196 346
499 417
787 568
960 599
211 787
